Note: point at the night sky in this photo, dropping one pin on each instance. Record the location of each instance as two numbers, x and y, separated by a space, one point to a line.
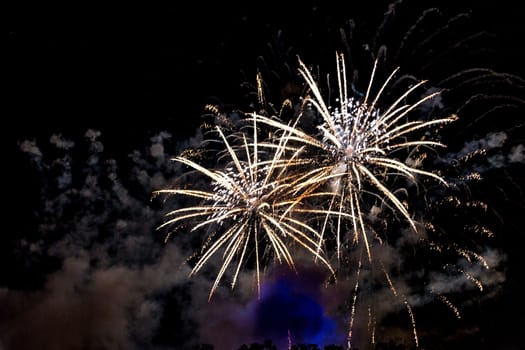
97 100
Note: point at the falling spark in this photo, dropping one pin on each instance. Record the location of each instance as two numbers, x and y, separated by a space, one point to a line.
353 308
447 302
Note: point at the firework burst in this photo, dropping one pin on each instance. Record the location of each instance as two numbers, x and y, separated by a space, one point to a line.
251 205
354 146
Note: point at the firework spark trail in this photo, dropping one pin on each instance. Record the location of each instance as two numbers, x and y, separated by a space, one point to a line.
405 302
353 308
252 201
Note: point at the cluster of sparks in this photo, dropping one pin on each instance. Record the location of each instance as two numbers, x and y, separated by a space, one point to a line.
280 188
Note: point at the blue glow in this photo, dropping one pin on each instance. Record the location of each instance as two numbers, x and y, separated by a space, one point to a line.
287 306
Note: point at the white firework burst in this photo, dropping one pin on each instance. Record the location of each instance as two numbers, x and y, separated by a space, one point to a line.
251 206
354 148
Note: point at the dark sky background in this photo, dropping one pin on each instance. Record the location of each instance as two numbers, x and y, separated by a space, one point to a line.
98 97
